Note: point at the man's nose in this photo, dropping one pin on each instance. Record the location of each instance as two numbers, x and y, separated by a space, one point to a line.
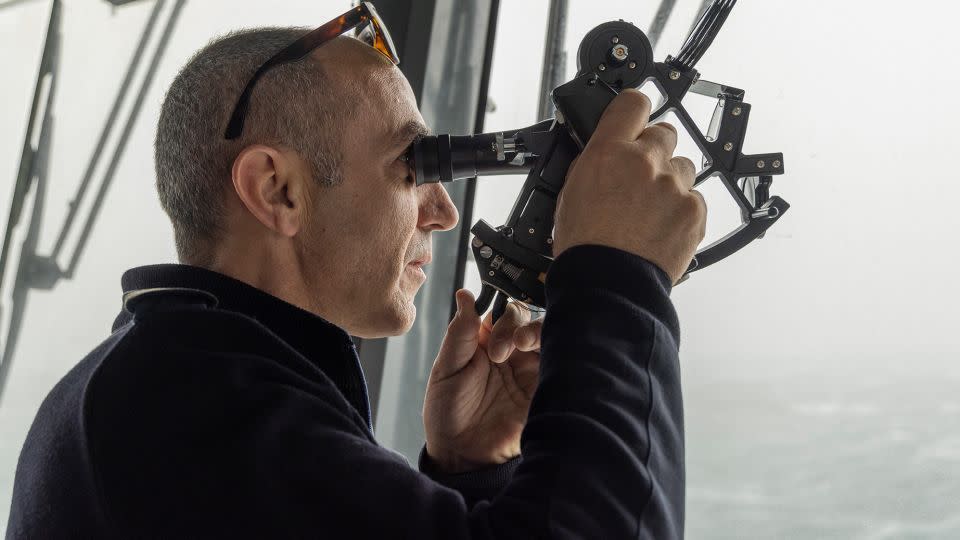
437 211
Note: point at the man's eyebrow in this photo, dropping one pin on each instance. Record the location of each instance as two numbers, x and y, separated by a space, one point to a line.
408 132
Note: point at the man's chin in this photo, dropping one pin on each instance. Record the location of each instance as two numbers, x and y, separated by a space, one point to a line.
406 318
396 320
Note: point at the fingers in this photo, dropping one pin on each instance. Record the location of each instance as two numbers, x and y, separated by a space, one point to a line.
686 175
501 341
462 339
625 117
527 338
703 211
686 171
660 139
465 321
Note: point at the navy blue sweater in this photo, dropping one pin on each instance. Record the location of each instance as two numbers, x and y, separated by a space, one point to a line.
251 419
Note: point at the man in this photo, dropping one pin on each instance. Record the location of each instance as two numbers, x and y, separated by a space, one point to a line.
228 402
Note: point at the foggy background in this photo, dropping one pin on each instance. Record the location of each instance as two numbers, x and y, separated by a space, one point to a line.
820 364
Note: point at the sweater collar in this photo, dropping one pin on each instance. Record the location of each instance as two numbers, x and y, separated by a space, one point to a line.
324 344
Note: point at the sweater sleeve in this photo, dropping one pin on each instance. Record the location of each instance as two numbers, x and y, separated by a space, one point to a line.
478 485
607 418
246 448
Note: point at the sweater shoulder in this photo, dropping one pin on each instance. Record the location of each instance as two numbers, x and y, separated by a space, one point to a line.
198 350
188 399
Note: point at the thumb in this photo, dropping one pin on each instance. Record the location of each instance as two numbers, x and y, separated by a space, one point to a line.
462 339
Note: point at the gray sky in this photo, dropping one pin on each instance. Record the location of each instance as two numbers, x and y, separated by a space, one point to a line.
856 280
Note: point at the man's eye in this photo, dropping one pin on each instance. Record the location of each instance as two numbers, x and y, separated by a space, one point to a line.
407 152
404 158
406 170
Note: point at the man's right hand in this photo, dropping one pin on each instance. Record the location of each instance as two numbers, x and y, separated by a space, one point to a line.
626 190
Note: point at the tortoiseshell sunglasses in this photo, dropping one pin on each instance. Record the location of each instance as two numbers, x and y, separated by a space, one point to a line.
363 20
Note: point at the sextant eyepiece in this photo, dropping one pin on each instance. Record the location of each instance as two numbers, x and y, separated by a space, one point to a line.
445 158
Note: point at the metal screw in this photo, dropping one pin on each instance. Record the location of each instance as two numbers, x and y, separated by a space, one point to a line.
761 164
508 231
477 242
620 52
737 111
776 164
674 75
532 230
633 65
615 39
491 273
728 147
550 240
602 67
486 252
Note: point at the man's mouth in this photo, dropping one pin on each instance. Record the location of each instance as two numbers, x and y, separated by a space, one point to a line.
416 269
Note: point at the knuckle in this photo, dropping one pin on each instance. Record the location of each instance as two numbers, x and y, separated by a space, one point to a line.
645 169
666 181
666 126
685 164
605 158
654 152
605 155
648 154
701 202
692 208
699 211
635 97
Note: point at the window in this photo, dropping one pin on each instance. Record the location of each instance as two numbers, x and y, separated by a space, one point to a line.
820 363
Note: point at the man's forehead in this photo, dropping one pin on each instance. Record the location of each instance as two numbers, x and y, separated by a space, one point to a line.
375 87
394 108
389 110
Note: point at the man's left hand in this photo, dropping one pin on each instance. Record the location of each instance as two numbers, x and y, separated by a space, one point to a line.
480 387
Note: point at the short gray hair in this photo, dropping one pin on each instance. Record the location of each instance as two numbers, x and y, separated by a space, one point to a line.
292 105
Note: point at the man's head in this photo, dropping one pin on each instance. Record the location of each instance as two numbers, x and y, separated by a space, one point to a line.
312 203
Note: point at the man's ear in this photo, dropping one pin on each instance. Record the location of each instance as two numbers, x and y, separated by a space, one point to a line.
272 187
